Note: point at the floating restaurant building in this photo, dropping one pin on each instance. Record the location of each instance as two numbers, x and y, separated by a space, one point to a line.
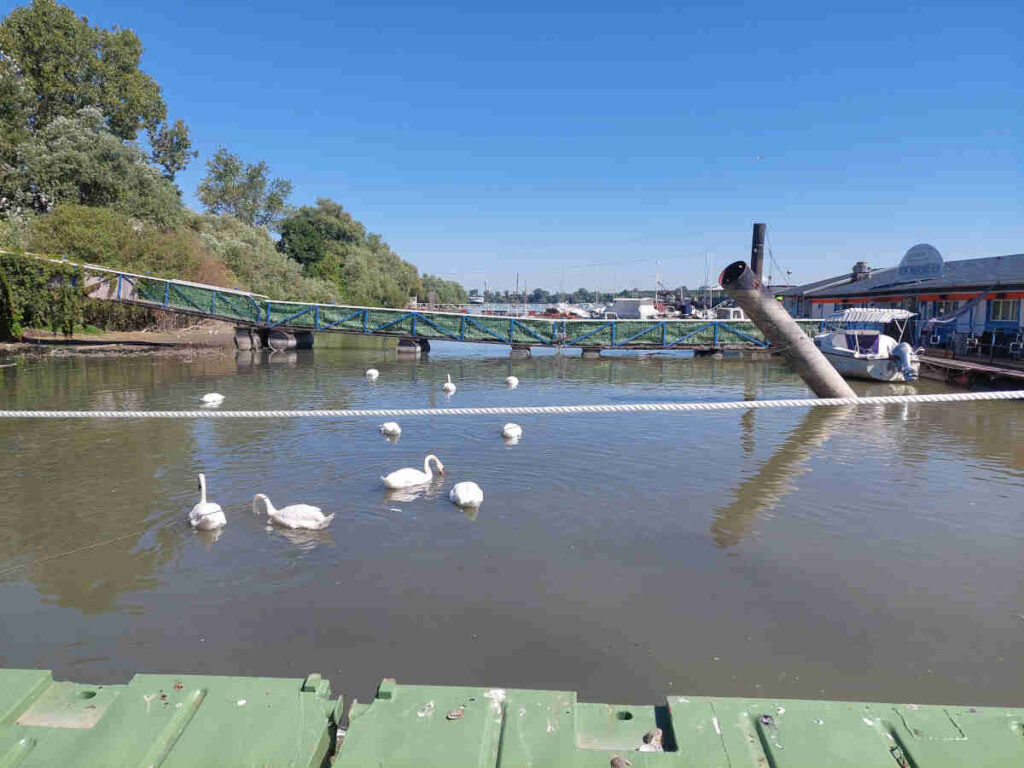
972 298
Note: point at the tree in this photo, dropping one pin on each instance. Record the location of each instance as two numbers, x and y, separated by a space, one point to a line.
78 160
66 65
172 148
445 291
334 246
307 231
243 190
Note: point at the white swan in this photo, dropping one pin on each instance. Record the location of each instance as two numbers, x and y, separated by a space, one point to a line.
512 430
206 515
212 398
512 382
409 477
372 374
448 387
466 495
292 516
390 429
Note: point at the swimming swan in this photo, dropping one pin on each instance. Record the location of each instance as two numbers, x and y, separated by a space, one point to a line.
372 374
512 382
512 430
466 495
293 516
206 515
390 429
409 477
448 387
212 398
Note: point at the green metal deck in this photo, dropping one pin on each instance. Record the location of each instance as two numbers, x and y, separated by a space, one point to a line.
165 720
431 727
173 721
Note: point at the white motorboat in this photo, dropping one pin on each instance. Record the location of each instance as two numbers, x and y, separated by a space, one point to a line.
861 354
868 353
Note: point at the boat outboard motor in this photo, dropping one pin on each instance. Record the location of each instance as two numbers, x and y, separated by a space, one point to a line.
904 355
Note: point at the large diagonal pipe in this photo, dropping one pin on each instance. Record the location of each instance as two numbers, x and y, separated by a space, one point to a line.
787 338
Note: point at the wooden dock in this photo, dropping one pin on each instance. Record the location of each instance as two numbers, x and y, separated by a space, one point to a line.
966 373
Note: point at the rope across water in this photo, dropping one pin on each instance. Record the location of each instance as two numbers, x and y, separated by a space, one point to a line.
952 397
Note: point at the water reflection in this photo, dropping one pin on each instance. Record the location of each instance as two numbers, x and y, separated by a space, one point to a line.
429 490
208 538
775 477
303 540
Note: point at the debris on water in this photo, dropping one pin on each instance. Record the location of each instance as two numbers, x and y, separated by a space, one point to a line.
241 702
426 710
619 762
178 686
455 714
767 720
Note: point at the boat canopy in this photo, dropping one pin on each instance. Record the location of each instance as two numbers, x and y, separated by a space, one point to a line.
871 315
872 318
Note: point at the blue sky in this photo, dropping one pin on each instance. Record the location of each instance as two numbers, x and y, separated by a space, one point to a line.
548 137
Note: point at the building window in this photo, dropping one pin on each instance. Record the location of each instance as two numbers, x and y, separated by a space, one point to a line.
1005 311
946 307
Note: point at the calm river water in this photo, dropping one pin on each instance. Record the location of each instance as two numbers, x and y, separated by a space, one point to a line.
867 554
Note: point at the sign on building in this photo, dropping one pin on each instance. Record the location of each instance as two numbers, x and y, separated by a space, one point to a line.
922 260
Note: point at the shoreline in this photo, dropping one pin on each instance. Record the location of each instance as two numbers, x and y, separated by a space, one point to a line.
206 337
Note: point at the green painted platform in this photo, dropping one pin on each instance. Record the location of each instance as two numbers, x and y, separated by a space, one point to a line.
431 727
165 720
170 721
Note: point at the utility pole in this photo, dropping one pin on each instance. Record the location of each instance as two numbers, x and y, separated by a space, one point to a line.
757 250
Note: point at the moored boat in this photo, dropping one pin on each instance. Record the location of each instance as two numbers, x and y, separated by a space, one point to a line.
868 343
868 354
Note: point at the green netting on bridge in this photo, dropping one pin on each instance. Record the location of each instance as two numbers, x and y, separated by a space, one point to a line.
192 299
249 309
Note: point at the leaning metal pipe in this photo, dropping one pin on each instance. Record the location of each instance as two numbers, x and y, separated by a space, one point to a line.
798 349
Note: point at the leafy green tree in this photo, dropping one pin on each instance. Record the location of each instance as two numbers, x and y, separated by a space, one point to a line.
78 160
172 148
334 246
243 190
307 231
446 291
66 64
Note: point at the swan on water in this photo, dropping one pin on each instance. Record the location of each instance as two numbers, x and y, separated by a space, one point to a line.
408 477
512 382
448 387
390 429
512 430
372 374
293 516
466 495
212 398
206 515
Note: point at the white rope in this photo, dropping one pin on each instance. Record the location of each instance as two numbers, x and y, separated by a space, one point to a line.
954 397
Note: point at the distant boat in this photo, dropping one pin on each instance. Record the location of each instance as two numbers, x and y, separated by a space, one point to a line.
867 353
624 308
476 299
